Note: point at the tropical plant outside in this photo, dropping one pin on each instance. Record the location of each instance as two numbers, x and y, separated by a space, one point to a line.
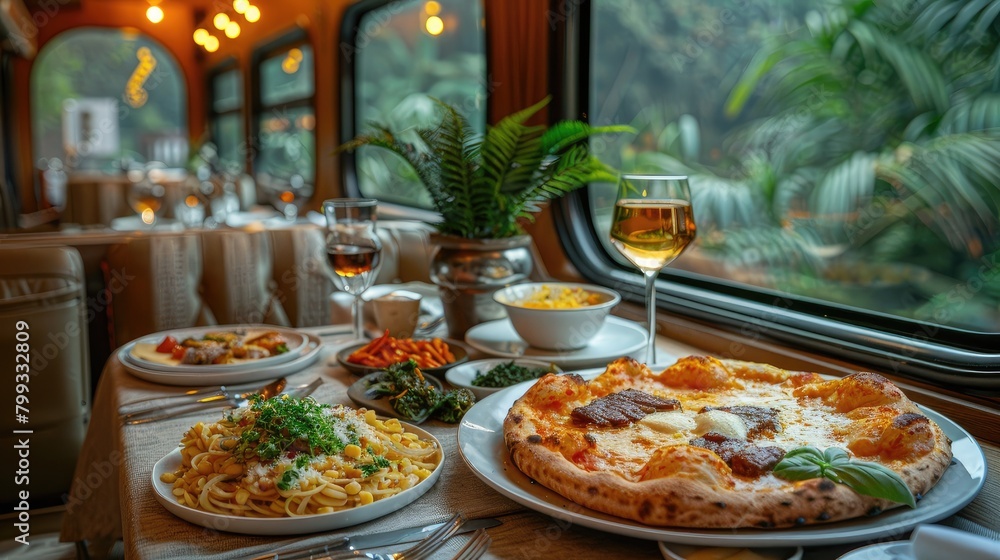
839 150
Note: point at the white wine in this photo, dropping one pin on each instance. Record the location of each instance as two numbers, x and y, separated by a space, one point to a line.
651 233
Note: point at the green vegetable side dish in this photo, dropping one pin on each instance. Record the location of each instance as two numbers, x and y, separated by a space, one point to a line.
414 398
870 479
507 374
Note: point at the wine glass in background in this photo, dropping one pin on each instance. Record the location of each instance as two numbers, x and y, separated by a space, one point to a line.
652 225
145 197
353 248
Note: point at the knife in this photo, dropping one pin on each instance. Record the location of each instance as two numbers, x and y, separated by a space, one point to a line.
374 540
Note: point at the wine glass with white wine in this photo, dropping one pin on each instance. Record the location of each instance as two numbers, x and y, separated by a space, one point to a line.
354 248
652 225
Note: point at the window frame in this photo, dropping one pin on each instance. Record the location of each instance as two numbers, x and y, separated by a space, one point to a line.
265 51
349 31
909 347
230 64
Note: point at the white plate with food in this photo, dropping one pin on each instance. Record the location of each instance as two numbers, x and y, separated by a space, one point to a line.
616 338
481 445
216 348
431 456
257 372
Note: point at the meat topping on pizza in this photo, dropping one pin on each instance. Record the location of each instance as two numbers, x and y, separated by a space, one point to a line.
622 408
745 458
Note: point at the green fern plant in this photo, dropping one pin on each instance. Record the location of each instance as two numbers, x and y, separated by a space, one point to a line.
485 185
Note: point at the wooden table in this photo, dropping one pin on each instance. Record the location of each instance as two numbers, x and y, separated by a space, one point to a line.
112 497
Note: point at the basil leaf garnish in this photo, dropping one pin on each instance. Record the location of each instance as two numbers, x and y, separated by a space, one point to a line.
869 479
872 479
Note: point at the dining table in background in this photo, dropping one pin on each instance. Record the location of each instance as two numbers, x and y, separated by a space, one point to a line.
112 496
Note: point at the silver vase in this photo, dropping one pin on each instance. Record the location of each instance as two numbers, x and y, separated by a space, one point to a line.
468 271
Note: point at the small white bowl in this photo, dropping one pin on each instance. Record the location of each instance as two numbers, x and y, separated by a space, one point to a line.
682 552
556 329
463 375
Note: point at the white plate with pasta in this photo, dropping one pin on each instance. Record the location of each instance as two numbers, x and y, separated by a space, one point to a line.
335 490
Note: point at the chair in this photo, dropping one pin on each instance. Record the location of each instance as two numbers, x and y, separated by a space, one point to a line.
43 306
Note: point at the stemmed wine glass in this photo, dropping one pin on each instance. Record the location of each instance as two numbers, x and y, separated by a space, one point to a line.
652 225
353 248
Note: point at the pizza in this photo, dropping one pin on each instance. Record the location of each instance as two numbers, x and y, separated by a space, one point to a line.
697 444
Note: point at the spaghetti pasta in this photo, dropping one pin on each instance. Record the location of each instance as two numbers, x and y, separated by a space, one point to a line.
290 457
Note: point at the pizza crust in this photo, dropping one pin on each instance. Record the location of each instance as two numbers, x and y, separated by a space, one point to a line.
686 486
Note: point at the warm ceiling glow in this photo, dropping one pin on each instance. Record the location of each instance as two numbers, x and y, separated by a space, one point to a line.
252 14
434 25
148 216
212 43
220 20
289 65
295 54
200 35
232 30
154 14
432 8
241 6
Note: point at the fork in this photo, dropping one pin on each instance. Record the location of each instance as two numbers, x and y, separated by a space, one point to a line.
420 551
236 401
476 547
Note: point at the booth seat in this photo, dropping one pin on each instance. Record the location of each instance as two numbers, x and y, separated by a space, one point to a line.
44 350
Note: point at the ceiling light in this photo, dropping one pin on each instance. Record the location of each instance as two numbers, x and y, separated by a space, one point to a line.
200 35
154 14
232 30
241 6
220 21
212 43
432 8
252 14
434 25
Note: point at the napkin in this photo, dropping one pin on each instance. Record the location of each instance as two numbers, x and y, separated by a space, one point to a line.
934 542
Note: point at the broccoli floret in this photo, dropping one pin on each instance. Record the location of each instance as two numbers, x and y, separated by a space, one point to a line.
454 405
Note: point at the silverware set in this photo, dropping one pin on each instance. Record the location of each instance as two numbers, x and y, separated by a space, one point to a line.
162 408
351 547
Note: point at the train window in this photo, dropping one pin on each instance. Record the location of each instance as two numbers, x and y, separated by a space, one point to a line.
285 119
226 116
844 162
100 96
396 56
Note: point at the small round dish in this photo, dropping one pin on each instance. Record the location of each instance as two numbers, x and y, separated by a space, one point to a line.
464 374
358 392
672 551
460 352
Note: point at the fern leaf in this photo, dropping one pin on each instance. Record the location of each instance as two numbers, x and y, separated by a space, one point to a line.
564 134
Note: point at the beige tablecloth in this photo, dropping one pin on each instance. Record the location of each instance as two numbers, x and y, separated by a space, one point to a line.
112 497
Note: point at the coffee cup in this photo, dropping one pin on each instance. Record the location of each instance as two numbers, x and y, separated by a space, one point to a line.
397 312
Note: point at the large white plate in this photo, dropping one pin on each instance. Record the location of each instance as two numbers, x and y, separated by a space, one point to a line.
288 525
296 342
616 338
309 352
480 442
